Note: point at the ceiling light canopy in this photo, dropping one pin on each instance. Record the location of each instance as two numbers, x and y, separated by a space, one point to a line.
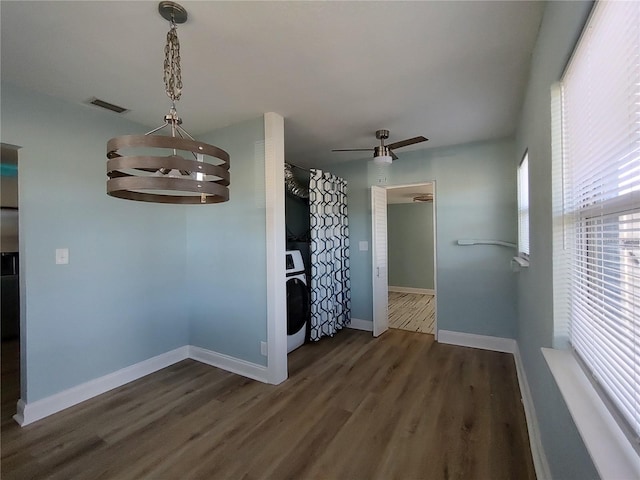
149 177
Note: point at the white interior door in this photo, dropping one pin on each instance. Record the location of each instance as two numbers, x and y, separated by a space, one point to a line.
379 260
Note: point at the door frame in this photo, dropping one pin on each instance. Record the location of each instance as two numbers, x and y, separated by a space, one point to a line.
376 326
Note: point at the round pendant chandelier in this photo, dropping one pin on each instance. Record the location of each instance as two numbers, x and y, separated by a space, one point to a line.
134 174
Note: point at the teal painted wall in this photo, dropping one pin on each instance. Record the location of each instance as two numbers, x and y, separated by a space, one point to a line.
475 198
410 245
561 26
226 253
121 298
143 278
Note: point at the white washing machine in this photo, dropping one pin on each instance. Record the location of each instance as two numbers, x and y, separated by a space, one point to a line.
298 306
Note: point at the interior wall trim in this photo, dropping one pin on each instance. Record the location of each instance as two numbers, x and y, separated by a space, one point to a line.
31 412
420 291
276 245
508 345
228 363
484 342
358 324
540 461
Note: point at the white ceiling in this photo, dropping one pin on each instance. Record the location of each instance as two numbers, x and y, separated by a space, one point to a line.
452 71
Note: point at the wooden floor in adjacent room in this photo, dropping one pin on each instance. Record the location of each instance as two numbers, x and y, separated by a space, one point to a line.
355 407
415 312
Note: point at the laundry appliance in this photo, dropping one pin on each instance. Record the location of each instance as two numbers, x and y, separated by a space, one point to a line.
298 306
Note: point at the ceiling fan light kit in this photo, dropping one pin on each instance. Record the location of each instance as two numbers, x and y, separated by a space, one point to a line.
383 154
171 178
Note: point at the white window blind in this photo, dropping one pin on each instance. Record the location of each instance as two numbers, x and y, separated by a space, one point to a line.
601 154
523 206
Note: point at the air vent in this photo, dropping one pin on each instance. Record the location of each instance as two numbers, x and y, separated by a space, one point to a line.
106 105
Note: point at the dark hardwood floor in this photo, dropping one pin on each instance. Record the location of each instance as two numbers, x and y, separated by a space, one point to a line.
355 407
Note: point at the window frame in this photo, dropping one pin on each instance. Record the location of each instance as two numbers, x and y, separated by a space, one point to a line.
593 214
524 212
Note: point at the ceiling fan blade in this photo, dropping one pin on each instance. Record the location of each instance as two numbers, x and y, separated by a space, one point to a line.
407 142
352 150
393 155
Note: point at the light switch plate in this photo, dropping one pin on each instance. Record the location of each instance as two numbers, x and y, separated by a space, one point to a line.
364 246
62 256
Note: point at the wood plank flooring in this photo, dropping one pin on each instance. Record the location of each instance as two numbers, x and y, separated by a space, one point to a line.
355 407
412 311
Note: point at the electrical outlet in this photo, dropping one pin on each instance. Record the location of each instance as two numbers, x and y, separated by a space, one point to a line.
263 348
62 256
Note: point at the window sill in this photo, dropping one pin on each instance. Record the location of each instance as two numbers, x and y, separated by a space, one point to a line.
613 455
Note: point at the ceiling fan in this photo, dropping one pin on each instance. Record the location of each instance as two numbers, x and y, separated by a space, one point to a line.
423 197
384 153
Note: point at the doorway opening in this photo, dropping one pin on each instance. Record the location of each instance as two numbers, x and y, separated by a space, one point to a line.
10 277
404 258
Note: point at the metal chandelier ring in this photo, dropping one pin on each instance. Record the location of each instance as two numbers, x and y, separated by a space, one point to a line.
127 187
162 141
152 164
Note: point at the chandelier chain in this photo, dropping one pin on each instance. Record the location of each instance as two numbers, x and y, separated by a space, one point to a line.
172 71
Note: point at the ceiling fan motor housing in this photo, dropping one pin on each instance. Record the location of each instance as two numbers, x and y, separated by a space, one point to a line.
382 134
381 151
382 154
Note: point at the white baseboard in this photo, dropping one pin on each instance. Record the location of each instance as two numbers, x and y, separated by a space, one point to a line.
543 472
509 345
33 411
228 363
358 324
421 291
484 342
28 413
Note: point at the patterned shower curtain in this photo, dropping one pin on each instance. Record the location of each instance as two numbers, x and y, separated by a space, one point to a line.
330 286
